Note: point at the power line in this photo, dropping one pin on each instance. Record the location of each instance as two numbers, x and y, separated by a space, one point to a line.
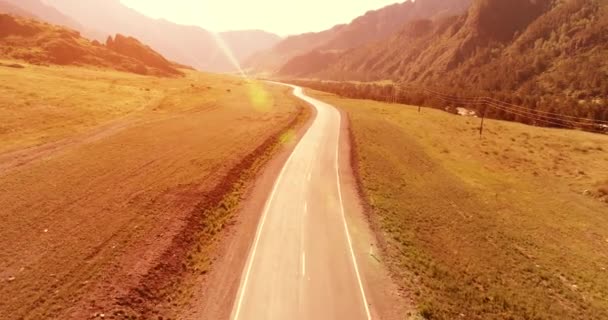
535 115
523 114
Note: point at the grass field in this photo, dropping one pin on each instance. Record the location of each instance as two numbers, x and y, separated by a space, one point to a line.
508 226
110 181
39 105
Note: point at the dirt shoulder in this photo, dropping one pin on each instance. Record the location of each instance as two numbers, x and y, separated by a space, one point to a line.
197 274
215 297
387 300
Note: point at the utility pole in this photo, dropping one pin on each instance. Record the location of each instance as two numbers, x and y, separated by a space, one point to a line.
395 94
483 117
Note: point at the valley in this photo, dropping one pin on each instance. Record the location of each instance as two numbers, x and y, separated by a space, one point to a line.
424 160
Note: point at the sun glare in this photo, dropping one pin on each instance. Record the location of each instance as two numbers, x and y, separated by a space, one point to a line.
259 97
221 43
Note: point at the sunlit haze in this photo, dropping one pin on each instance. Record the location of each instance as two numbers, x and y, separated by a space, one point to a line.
277 16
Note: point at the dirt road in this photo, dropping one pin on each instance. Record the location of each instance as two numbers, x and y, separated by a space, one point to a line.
302 264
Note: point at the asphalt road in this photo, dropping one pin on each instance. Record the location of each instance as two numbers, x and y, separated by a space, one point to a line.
301 264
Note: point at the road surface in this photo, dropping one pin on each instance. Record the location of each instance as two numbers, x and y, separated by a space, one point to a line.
301 264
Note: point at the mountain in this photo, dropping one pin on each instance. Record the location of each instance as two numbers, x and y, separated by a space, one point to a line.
9 8
37 8
42 43
244 43
41 10
373 26
380 24
271 60
190 45
529 46
544 55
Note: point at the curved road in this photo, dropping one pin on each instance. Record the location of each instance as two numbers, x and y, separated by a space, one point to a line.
301 264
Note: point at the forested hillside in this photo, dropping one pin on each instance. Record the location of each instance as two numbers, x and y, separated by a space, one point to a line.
371 27
545 55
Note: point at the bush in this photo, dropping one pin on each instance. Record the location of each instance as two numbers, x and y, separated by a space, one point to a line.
426 311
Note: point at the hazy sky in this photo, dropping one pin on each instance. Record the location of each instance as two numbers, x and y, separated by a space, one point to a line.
283 17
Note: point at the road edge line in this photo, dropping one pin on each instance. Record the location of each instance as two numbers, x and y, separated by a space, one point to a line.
348 237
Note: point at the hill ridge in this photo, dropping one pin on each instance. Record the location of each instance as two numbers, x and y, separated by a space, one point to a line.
374 25
39 42
187 44
544 55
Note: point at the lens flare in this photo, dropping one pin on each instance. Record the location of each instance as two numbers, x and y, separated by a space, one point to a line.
259 97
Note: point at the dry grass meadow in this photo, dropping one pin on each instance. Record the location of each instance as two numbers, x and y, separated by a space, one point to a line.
508 226
113 186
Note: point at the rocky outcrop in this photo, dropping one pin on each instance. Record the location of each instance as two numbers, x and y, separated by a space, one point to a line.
131 47
42 43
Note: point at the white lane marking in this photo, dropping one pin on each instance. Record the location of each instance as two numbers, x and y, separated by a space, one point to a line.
350 243
303 264
244 283
303 260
